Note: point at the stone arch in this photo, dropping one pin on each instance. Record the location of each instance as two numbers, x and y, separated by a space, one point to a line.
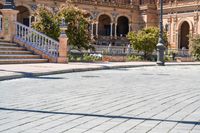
185 28
122 26
24 15
100 14
183 20
124 15
184 38
1 7
104 25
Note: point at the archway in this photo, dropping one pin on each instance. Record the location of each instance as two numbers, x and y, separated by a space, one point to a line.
1 7
184 35
23 15
104 27
122 26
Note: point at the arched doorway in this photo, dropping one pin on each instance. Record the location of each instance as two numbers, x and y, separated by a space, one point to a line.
122 26
184 35
104 25
23 15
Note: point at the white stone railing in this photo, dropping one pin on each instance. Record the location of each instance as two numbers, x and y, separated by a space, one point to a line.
37 40
0 23
113 49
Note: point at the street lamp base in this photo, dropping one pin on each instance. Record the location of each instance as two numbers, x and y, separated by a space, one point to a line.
160 63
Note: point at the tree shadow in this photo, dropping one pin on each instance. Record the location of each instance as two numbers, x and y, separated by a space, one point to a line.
100 116
32 75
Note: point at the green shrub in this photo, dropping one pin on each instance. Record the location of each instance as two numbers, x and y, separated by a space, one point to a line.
134 58
195 47
84 58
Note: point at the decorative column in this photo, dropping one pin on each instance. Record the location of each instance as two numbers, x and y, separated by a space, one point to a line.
111 29
9 17
115 30
96 29
30 21
92 30
129 29
63 40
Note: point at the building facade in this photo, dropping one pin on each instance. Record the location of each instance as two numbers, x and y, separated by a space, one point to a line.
111 20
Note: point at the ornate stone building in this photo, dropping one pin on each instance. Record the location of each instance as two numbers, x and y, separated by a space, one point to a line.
111 20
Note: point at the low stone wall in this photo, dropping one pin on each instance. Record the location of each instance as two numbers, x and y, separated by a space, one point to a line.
36 51
185 59
114 58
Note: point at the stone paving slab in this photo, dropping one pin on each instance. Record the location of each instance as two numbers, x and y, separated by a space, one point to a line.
125 100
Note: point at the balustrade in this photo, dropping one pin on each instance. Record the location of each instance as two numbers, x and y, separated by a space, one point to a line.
115 50
37 40
118 3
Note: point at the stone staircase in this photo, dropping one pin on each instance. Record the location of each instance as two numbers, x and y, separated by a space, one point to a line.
11 53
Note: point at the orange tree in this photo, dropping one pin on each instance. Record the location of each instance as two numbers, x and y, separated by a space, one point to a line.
145 40
48 22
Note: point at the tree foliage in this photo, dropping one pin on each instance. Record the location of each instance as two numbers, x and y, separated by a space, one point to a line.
48 22
145 40
195 46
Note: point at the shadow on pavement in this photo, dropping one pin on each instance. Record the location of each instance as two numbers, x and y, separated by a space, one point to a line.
31 75
101 116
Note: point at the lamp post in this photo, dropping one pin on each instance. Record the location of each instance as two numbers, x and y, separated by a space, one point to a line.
9 4
160 46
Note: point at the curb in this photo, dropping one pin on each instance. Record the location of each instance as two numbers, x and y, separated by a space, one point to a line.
29 75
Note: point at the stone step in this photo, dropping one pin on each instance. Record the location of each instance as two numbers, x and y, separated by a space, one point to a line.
25 56
11 48
14 52
11 53
22 61
7 44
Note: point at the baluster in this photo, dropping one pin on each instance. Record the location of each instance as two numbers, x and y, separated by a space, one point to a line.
48 47
25 34
37 40
53 47
40 41
31 37
45 44
17 30
20 31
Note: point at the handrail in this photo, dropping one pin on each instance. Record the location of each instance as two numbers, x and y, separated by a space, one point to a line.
37 40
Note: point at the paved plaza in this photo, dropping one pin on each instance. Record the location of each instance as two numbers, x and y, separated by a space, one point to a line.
124 100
